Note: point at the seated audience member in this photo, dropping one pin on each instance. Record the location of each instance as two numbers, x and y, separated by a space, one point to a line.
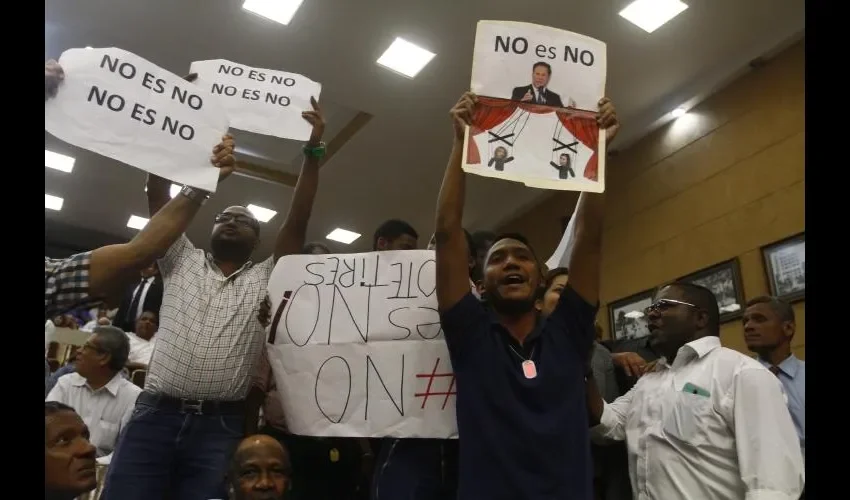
63 370
520 378
769 327
260 470
315 248
707 422
69 457
101 318
145 295
97 391
142 340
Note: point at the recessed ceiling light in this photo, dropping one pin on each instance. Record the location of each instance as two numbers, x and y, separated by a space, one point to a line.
89 47
281 11
137 222
58 162
650 15
174 190
680 111
53 202
262 214
343 236
405 58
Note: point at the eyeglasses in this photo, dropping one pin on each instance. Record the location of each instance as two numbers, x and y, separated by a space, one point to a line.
224 218
662 305
90 346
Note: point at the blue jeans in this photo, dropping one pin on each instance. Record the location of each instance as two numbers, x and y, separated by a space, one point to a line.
411 469
167 454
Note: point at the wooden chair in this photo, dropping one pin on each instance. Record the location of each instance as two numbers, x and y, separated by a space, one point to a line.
138 378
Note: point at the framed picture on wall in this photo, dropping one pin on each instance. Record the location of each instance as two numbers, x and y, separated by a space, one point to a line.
626 316
785 263
724 281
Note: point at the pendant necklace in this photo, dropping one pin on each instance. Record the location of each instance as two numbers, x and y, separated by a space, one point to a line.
529 369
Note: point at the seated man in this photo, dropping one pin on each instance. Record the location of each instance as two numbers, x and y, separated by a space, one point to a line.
97 391
142 341
69 463
260 470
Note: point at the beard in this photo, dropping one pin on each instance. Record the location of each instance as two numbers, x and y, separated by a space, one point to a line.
508 307
230 250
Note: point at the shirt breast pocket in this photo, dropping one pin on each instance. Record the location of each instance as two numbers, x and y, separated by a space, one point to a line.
688 418
108 432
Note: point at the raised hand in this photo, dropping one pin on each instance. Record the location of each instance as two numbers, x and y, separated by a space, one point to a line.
462 113
607 118
528 96
53 76
317 119
222 157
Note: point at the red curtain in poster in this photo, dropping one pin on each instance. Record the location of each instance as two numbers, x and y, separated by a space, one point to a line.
489 113
583 127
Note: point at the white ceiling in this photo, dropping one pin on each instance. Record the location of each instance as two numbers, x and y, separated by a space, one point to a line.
393 167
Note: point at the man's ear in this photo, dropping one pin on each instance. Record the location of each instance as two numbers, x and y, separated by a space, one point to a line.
788 329
538 304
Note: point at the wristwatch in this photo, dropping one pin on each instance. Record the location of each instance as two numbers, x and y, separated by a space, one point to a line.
195 195
314 151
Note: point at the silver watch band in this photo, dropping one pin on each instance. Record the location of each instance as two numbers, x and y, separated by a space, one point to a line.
195 195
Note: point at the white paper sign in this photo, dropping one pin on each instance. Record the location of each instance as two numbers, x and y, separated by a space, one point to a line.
121 106
535 123
262 101
538 65
356 346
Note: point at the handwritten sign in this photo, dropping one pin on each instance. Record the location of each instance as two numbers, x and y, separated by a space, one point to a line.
356 346
262 101
539 89
121 106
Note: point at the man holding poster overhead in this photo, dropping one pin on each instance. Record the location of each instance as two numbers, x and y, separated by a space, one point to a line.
521 416
190 417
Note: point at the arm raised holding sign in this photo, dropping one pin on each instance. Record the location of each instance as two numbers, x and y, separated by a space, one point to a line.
293 232
112 267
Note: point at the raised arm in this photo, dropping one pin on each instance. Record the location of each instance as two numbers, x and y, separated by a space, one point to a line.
113 265
452 254
585 260
293 232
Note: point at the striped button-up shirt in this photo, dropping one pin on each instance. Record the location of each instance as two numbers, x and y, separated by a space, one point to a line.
66 283
209 338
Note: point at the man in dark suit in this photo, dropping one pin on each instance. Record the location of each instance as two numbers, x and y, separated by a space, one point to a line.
146 295
537 93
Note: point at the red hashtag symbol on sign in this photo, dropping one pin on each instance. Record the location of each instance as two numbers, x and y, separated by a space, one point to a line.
431 376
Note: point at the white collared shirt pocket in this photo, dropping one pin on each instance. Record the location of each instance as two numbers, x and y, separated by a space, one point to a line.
686 419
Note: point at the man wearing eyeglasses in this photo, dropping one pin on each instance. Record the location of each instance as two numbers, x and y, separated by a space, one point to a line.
97 391
707 422
191 415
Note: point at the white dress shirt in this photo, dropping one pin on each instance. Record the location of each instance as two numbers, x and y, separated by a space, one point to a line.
140 349
105 411
728 437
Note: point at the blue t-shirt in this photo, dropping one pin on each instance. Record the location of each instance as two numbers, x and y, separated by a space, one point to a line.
520 438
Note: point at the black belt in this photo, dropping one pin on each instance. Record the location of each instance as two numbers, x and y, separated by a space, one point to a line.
195 406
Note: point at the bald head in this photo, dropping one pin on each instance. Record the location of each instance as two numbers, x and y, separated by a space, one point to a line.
260 468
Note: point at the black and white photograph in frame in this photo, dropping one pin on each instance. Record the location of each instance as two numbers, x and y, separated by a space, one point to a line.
626 316
724 281
785 264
